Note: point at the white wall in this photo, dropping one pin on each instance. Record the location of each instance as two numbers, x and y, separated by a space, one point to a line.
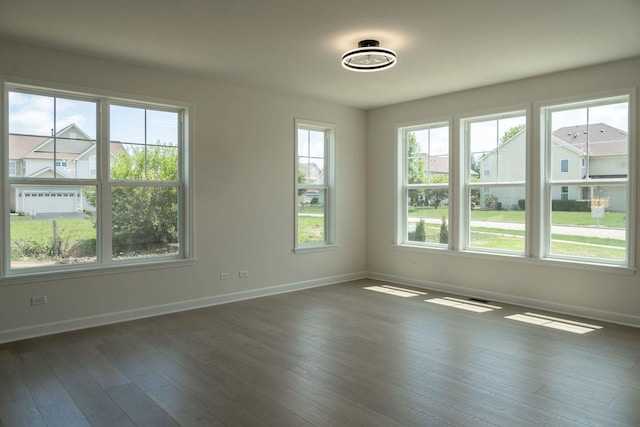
596 293
243 143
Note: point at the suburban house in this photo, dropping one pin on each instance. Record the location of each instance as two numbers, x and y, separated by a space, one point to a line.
70 154
578 153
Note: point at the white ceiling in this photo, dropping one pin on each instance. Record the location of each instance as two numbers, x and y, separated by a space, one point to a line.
295 46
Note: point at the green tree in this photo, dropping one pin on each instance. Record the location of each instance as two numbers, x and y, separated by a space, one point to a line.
415 169
435 196
143 217
510 133
415 173
302 179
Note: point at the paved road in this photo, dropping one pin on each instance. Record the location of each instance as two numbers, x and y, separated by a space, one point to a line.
611 233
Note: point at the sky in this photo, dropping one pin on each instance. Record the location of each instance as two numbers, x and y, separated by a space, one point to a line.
485 135
41 115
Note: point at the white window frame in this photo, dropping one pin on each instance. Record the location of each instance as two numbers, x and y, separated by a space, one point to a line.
550 182
564 162
403 192
101 182
487 187
537 186
13 168
328 186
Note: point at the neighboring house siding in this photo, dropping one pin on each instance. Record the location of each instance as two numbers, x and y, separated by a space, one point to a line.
501 163
75 153
608 158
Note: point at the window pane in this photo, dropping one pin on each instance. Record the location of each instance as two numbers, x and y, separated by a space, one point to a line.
51 137
140 162
594 227
428 155
144 144
162 127
31 114
498 150
144 221
311 157
590 142
311 216
497 218
52 225
427 213
127 124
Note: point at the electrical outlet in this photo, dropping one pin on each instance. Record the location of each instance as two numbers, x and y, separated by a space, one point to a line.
225 275
39 300
243 274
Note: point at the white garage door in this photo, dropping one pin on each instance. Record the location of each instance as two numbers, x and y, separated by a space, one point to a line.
39 202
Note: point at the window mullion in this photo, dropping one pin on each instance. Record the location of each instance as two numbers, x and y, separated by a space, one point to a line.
104 185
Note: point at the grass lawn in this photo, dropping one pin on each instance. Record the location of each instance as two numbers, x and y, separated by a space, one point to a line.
611 219
310 229
513 240
24 227
32 235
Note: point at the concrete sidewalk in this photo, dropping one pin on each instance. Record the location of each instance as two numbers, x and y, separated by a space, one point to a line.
593 231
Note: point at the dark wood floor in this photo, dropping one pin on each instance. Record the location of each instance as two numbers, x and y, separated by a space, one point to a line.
335 355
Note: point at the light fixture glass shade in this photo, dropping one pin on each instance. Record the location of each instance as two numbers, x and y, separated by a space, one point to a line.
369 56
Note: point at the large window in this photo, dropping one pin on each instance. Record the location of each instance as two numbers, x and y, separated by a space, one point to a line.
494 182
314 185
565 194
91 181
425 184
587 208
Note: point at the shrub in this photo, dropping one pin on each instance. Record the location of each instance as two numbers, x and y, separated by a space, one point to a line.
490 202
521 204
571 205
444 231
420 235
24 248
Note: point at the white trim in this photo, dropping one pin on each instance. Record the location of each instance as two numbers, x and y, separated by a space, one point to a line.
157 310
328 186
103 101
568 309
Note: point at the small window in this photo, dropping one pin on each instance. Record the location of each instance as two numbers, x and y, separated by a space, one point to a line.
486 167
564 165
12 168
314 185
564 193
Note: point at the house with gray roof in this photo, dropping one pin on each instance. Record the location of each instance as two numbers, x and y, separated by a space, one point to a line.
69 154
578 153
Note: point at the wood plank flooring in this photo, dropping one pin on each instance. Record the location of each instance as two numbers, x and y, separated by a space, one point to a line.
338 355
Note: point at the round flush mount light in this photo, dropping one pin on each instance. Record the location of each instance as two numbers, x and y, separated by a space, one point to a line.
369 56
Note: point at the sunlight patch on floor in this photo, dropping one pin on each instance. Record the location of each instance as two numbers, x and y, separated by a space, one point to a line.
477 307
394 290
554 322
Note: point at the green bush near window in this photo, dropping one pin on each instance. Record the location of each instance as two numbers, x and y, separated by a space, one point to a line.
571 205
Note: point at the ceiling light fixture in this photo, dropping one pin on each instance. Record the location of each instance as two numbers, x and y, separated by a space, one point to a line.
369 56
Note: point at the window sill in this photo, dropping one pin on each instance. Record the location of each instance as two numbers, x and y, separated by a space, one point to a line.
518 257
88 271
310 249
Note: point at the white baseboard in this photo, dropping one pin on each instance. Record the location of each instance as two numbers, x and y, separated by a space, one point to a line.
139 313
590 313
